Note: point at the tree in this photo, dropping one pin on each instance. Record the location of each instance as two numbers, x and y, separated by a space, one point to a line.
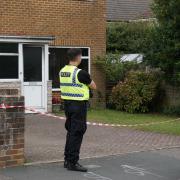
126 37
165 44
159 41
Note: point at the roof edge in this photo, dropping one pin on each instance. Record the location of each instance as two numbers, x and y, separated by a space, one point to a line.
28 37
38 39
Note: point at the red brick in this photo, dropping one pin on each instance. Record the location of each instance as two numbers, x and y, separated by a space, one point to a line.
2 164
5 158
11 163
12 151
18 146
18 157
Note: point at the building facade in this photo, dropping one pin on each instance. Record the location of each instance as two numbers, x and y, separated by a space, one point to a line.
34 38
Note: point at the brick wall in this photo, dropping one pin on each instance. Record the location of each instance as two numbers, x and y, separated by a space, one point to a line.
14 85
72 22
11 129
49 96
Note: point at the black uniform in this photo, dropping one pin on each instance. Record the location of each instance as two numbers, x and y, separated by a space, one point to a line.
76 114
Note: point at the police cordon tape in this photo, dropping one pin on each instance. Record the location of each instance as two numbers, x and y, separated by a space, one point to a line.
4 106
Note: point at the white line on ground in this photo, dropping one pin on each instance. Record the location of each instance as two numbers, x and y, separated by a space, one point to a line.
138 171
92 166
91 175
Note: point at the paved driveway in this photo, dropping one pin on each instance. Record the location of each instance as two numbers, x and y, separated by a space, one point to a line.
45 139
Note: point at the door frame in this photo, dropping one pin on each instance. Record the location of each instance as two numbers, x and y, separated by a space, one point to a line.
45 67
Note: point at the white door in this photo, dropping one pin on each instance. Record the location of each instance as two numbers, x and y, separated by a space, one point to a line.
33 85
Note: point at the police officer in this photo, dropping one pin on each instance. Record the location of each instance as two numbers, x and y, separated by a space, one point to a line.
75 85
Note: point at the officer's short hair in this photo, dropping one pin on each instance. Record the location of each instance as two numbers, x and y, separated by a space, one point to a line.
73 53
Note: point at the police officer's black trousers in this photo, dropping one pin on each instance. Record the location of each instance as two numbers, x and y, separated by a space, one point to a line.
76 113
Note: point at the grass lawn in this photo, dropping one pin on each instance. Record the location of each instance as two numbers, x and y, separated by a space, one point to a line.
172 128
116 117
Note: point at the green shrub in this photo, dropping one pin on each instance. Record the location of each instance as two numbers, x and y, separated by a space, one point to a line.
136 92
172 110
114 69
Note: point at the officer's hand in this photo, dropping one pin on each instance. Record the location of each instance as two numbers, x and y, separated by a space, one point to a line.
92 85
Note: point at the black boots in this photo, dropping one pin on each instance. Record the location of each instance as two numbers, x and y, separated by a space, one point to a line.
65 164
74 167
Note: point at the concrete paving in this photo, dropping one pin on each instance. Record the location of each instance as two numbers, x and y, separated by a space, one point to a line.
154 165
45 139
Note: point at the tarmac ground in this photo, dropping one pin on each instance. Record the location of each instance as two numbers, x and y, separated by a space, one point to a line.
150 165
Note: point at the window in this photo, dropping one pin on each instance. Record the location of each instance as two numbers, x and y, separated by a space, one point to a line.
9 61
58 59
8 48
32 64
8 67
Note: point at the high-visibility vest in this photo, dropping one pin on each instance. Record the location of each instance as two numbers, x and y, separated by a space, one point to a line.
71 88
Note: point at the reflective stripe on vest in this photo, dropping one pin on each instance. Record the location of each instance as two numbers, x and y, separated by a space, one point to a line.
74 76
71 84
72 95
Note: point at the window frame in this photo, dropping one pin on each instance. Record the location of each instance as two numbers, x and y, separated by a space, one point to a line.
11 54
83 57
